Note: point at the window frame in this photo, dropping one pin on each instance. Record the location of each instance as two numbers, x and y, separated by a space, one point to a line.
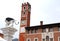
43 38
51 30
28 31
44 30
28 39
58 38
35 38
36 30
58 28
51 38
32 31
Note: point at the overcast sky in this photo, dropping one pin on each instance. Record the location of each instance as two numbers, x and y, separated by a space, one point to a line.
47 11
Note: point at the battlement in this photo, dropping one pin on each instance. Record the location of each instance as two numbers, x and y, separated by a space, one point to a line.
26 3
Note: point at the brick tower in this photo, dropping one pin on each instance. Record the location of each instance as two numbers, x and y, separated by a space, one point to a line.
25 20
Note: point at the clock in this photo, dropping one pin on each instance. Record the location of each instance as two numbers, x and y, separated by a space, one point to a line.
23 22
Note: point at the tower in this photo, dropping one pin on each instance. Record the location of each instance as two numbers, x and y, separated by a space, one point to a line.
25 19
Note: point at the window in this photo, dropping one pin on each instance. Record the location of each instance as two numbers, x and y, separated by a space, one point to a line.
58 28
24 8
47 38
36 30
51 29
47 30
51 39
44 30
28 31
43 39
36 39
24 12
29 8
28 39
32 31
58 38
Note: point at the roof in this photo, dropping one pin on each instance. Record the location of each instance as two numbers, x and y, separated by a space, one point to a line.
44 26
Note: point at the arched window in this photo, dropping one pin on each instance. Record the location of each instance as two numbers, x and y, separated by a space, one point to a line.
35 39
28 39
47 38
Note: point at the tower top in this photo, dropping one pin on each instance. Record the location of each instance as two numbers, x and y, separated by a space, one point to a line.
26 3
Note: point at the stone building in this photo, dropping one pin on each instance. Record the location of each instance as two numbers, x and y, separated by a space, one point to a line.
47 32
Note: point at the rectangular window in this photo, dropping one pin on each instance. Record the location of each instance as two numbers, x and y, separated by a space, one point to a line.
51 29
32 31
28 31
51 39
36 30
58 28
44 30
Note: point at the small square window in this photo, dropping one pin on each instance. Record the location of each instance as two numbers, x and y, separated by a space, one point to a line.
58 28
28 31
51 29
32 31
36 30
43 30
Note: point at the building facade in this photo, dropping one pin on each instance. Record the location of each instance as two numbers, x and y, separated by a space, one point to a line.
47 32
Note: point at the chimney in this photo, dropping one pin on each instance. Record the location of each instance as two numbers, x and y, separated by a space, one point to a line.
41 22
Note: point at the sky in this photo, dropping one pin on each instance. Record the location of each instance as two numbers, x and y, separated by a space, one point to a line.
47 11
